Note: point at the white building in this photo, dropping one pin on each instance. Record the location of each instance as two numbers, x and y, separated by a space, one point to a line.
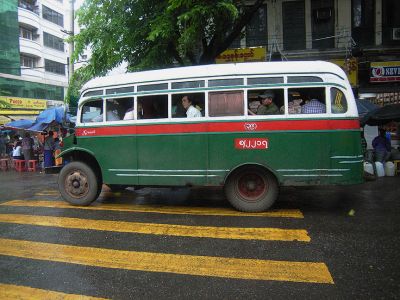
34 55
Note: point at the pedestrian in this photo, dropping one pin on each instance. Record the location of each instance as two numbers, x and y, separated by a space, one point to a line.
3 143
27 147
48 150
381 146
17 151
57 151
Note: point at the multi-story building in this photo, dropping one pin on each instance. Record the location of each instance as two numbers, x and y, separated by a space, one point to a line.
361 35
33 55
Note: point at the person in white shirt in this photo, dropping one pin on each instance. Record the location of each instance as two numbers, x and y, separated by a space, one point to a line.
17 151
191 111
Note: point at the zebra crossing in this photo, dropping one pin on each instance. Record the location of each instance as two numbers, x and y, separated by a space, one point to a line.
47 212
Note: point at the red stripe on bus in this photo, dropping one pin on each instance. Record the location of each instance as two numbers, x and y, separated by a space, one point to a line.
249 126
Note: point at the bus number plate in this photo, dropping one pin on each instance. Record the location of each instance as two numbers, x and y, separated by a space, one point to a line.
251 143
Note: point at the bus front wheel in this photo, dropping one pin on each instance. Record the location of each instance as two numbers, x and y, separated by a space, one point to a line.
78 184
251 189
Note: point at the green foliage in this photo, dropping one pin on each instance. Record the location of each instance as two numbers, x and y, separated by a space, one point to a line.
151 34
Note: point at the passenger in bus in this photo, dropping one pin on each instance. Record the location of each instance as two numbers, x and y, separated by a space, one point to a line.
129 114
313 106
191 111
267 107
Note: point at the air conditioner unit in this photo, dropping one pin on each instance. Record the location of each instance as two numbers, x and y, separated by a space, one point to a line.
396 34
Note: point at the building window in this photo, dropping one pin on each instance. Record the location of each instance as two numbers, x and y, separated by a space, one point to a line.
53 16
53 41
390 22
26 33
54 67
28 62
294 28
256 30
363 22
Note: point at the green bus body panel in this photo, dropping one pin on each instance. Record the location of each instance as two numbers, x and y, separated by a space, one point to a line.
294 157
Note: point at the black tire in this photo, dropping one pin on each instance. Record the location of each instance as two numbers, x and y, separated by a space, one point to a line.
78 184
251 189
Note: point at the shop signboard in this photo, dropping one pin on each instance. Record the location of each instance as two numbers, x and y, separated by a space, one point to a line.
242 55
385 71
22 103
350 67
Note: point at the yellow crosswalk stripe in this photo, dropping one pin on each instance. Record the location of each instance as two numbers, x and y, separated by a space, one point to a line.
238 233
239 268
11 291
179 210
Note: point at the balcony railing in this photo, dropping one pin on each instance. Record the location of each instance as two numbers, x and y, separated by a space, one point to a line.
29 6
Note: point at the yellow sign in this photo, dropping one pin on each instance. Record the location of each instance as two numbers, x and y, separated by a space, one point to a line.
26 103
350 67
10 112
242 55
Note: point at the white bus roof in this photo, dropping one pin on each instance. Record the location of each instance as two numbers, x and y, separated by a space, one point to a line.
239 69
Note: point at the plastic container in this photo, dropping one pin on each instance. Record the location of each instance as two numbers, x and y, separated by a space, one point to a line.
380 171
368 168
389 168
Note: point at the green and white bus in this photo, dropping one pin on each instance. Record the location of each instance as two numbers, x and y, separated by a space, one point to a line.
133 130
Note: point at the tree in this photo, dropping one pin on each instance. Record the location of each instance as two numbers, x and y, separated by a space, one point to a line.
150 34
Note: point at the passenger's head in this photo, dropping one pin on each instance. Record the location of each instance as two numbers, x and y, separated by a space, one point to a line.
27 134
51 133
266 98
186 102
382 132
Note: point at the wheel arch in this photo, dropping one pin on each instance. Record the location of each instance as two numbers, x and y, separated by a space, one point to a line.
85 156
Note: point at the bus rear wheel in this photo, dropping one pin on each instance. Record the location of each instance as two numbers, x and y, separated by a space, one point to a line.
251 189
78 184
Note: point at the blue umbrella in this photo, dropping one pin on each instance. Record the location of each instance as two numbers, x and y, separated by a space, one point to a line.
365 109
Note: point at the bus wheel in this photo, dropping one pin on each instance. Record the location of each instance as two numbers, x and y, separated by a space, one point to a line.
251 189
78 184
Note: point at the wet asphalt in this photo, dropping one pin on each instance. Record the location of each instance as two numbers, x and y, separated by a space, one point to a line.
354 231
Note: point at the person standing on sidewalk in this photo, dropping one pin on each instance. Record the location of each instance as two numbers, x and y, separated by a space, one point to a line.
48 150
27 148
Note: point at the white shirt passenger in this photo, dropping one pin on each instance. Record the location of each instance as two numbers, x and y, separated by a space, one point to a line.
193 112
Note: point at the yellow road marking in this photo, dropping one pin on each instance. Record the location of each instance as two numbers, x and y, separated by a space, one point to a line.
170 263
265 234
180 210
10 291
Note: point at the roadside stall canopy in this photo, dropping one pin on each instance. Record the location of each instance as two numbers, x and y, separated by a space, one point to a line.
384 115
51 116
365 108
19 124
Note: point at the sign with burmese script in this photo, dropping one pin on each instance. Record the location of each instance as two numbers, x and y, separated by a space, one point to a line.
385 71
242 55
251 143
25 103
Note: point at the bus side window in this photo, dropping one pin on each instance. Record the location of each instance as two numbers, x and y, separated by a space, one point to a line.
179 101
92 111
119 108
258 106
338 101
310 100
152 107
226 103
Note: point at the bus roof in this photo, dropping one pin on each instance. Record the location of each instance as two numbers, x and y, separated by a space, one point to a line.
239 69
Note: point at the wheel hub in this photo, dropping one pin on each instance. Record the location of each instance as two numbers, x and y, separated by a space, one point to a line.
252 186
77 184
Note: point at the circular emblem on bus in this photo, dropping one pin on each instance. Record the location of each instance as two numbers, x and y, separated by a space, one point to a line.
250 126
